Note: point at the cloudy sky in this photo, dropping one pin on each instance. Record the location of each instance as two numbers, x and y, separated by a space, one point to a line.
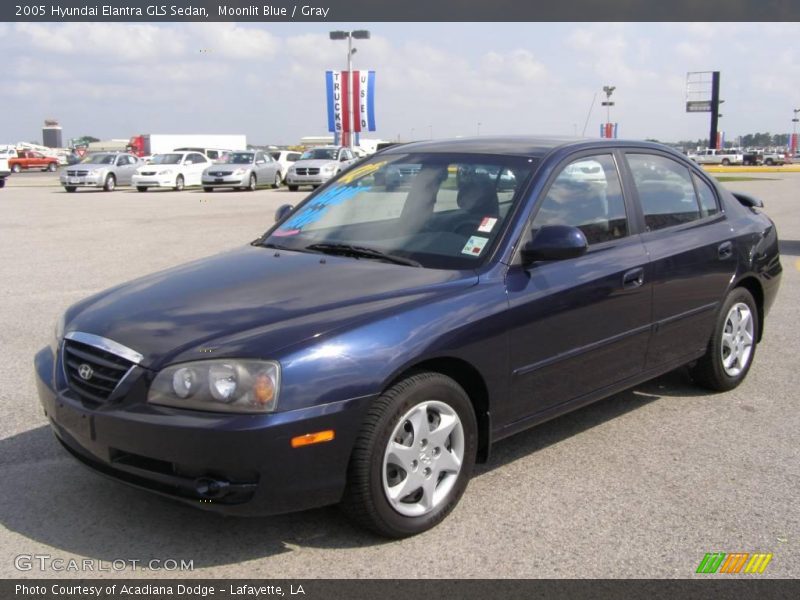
114 80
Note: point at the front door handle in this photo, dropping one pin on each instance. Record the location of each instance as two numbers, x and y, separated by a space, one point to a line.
725 250
633 278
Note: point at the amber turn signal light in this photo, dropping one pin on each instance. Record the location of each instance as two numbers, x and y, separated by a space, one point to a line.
312 438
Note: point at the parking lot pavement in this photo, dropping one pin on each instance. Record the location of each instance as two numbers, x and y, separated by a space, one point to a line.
642 484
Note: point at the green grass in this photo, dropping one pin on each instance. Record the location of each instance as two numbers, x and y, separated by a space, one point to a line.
724 178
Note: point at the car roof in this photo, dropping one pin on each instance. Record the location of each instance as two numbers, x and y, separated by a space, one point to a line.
528 146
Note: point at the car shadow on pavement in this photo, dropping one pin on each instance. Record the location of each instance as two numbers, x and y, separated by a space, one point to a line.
56 502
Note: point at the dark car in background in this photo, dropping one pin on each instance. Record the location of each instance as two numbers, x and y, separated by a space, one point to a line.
373 344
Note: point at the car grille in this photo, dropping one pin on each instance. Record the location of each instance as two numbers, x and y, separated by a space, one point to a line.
105 371
148 173
78 173
306 171
220 173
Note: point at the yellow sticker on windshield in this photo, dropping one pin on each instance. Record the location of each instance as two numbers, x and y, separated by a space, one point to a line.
359 172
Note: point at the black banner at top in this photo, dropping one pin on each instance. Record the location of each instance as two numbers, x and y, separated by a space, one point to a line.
398 10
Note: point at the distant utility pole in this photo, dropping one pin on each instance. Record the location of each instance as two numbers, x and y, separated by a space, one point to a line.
712 137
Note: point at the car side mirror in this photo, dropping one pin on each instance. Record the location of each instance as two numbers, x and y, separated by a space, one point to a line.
283 211
554 242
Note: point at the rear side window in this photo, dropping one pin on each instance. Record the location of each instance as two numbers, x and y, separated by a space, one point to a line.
294 157
708 201
587 194
666 191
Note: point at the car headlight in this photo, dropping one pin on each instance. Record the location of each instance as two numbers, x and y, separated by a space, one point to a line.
165 172
237 386
328 168
240 171
58 333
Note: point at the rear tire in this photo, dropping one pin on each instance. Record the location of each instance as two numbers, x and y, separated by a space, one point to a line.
141 188
293 188
110 183
413 456
208 189
769 162
70 188
733 344
52 167
16 168
726 162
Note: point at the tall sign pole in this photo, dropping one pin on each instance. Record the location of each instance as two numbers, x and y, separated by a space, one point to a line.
712 138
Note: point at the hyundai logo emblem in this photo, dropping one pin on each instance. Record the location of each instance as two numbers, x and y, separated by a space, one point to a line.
85 372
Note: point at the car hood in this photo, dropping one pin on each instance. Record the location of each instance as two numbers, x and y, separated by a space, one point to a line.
314 164
154 167
226 167
270 299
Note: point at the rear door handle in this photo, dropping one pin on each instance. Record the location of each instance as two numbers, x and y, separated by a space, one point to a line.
725 250
633 278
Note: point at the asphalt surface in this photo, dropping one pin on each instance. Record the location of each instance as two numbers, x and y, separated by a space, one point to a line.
642 484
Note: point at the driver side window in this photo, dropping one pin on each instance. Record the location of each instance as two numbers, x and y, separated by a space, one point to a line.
586 194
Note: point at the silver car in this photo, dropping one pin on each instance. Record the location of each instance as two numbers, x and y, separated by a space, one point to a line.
243 170
318 165
104 170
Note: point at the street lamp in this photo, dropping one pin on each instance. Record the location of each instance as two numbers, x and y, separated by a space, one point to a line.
793 143
358 34
608 89
479 128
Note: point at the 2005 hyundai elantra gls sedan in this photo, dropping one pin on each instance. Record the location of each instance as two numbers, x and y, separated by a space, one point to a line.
372 345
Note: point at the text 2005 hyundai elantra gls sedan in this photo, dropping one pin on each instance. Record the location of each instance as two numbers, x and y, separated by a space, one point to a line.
374 344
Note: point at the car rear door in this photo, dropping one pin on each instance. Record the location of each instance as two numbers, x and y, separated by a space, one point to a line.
691 250
579 325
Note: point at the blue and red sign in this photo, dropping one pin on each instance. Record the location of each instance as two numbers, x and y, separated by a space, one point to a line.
351 96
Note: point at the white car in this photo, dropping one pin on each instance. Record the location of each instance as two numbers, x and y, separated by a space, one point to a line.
285 158
173 170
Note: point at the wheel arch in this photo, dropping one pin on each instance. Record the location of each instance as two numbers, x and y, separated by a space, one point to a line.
470 379
752 285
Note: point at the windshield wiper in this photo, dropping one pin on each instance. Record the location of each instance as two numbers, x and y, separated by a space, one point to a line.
362 252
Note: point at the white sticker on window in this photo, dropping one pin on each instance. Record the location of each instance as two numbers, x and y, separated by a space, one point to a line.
474 245
487 224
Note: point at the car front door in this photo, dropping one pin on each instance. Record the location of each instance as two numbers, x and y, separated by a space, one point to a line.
124 169
579 325
194 171
691 250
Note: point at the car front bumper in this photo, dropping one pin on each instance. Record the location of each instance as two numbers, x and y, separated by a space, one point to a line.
230 463
154 181
293 179
231 181
83 181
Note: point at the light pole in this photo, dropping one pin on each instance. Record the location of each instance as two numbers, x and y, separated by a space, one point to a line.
608 89
479 127
358 34
793 143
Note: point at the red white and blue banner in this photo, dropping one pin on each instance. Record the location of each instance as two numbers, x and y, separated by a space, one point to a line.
608 130
338 85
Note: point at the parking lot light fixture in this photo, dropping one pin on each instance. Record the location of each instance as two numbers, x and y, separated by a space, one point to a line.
358 34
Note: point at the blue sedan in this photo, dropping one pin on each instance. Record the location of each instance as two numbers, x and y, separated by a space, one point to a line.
375 342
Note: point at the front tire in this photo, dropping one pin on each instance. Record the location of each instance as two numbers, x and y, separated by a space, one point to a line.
277 183
208 189
70 188
252 184
413 456
179 183
52 167
769 162
141 188
726 162
733 344
16 168
293 188
110 183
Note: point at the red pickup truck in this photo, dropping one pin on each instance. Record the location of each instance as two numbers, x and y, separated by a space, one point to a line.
28 159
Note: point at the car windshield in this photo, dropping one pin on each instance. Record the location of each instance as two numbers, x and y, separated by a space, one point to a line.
99 159
166 159
442 211
320 154
239 158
